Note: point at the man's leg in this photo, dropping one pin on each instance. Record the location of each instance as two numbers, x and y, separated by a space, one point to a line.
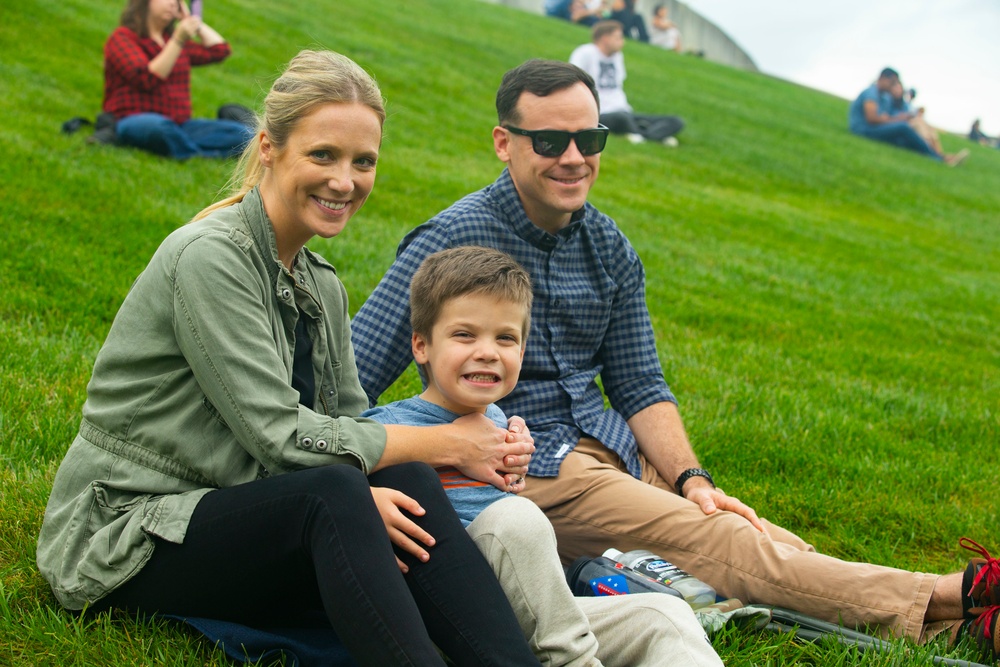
902 135
594 504
620 122
658 128
518 542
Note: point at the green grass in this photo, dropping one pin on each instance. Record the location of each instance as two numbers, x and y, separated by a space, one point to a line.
825 306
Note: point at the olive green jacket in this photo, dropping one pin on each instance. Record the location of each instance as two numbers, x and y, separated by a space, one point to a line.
192 392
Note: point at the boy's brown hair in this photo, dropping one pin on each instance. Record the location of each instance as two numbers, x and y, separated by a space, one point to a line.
449 274
606 27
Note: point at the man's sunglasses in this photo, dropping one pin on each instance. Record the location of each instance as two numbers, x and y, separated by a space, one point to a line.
553 143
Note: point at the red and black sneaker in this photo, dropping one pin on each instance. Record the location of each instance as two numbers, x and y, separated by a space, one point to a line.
985 633
981 582
981 599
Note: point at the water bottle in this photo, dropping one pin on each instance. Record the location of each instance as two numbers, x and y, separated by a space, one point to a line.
595 577
694 591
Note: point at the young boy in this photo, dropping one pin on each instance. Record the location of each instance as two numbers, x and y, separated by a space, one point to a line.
470 313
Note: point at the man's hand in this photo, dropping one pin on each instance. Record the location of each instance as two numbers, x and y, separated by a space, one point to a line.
399 526
710 499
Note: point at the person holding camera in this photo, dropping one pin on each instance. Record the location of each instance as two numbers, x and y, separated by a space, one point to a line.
147 83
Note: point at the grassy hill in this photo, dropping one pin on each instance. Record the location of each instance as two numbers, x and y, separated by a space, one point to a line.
826 306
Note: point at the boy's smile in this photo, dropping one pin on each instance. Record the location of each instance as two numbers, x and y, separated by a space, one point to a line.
474 353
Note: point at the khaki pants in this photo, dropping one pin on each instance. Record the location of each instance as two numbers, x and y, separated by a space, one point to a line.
595 504
618 631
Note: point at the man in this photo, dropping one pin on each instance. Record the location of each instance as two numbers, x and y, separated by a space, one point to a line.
624 477
602 59
869 117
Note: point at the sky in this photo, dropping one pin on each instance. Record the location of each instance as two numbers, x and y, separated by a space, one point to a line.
949 50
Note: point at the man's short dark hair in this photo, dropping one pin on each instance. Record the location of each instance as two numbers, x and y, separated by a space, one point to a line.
538 77
888 73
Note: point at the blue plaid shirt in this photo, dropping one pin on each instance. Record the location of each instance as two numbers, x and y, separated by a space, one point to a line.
589 318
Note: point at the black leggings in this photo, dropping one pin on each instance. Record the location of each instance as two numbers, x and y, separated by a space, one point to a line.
314 539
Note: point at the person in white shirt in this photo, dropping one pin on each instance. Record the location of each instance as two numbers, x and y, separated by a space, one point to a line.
602 59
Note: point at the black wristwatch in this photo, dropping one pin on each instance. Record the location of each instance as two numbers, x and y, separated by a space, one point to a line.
688 474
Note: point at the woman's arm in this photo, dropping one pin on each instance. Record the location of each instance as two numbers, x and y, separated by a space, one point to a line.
163 63
209 37
228 327
473 444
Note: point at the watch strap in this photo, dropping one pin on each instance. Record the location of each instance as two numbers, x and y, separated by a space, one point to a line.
688 474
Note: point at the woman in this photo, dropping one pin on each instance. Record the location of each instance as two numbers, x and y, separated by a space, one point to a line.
147 82
900 103
220 466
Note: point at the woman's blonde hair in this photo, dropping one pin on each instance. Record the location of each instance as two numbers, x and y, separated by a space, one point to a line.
312 78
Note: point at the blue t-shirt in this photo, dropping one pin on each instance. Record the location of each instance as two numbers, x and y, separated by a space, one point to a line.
469 497
856 120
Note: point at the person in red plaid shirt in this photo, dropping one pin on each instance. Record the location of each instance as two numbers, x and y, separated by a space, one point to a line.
147 82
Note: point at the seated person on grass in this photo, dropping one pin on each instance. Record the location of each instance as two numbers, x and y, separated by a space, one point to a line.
221 471
867 118
977 135
470 311
602 59
613 465
147 83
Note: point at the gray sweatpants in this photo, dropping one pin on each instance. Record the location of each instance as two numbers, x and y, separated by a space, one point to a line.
615 631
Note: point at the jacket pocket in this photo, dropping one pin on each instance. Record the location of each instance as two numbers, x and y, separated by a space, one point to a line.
115 546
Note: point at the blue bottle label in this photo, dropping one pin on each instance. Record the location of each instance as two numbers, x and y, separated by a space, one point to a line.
613 585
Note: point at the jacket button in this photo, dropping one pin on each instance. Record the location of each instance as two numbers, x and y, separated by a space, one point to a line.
321 445
285 293
307 443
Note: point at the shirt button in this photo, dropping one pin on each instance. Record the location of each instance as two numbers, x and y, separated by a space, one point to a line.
307 442
321 445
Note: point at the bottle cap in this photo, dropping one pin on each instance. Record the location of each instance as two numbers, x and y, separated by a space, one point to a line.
613 554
